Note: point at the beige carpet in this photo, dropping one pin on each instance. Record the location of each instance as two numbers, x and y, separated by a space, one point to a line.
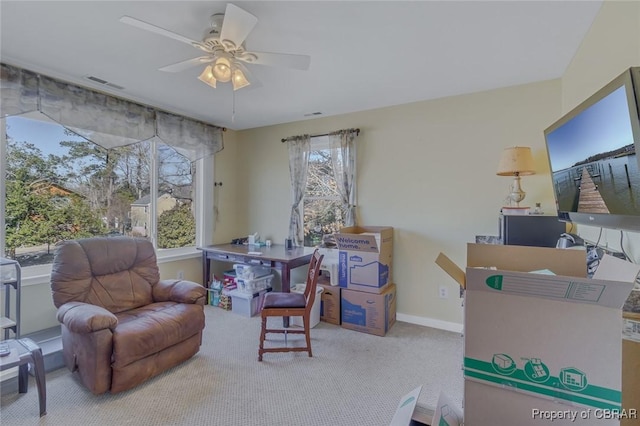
352 379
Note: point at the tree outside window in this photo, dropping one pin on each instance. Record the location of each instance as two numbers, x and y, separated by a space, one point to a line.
324 213
59 186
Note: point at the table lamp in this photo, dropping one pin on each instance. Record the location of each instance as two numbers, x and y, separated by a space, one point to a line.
516 161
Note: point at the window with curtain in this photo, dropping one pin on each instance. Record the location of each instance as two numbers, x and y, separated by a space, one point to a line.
59 186
326 206
323 212
78 163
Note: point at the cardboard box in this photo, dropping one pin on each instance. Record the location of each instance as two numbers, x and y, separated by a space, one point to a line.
409 413
631 369
537 345
330 304
364 257
368 312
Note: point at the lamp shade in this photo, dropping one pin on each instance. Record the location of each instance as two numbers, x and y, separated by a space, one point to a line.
516 160
238 79
207 77
221 70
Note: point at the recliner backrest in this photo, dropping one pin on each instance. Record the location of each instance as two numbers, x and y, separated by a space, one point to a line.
116 273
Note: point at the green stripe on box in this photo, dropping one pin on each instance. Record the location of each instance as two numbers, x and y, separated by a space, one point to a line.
594 396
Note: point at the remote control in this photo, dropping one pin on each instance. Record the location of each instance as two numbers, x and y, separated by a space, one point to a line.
4 349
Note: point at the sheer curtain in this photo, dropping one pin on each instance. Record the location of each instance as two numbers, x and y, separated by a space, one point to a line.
104 119
343 158
299 148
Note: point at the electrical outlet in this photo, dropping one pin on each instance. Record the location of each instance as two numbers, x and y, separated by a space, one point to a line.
443 292
180 275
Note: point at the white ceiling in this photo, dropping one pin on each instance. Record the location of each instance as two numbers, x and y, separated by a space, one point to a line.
364 54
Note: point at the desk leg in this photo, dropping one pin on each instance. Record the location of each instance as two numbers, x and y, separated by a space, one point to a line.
206 269
286 288
38 370
33 357
23 376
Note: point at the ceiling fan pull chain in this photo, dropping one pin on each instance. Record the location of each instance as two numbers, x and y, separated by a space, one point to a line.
233 105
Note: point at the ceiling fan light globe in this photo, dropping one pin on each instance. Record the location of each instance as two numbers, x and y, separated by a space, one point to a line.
207 76
239 80
222 70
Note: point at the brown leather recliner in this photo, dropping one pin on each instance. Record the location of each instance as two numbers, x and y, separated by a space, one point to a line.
121 324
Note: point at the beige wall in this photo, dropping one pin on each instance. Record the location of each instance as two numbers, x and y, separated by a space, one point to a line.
191 270
230 220
611 46
428 169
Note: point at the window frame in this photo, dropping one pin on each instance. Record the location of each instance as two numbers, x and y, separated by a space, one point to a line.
203 212
322 143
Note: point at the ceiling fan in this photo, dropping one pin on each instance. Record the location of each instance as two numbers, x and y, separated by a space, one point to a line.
225 52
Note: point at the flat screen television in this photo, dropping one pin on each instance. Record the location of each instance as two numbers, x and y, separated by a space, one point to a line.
592 156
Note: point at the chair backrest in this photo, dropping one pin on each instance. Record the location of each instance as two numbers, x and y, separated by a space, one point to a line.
312 278
116 273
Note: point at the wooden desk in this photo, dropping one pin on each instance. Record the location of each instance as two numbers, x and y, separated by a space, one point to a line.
276 257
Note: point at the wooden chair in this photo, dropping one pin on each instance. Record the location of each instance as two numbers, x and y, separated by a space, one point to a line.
279 304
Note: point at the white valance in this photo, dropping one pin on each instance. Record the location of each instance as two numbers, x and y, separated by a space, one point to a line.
104 119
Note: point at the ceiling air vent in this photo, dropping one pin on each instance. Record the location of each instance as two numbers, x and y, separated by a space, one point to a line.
104 82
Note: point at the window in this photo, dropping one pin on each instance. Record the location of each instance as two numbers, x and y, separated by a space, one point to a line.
59 186
175 209
324 212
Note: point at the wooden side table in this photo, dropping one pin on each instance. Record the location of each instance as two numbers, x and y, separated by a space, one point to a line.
23 353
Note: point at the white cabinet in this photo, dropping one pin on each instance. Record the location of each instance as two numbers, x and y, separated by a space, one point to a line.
10 275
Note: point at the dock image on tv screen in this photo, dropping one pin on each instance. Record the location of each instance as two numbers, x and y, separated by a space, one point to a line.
593 160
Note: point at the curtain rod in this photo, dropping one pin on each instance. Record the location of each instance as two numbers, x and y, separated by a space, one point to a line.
283 140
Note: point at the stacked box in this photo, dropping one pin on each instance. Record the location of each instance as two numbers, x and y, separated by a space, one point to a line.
368 312
364 258
368 295
330 304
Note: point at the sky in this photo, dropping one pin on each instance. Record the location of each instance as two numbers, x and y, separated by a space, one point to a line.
46 135
42 132
604 126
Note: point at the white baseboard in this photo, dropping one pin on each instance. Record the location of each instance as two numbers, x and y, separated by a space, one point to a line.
8 374
430 322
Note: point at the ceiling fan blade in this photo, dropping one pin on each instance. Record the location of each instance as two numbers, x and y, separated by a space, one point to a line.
237 24
149 27
285 60
183 65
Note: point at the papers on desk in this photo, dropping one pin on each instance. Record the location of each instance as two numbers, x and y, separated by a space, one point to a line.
255 253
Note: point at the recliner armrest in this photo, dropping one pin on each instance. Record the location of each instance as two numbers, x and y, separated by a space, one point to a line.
86 318
180 291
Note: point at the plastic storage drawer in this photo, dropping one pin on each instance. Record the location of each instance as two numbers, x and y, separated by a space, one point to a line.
251 272
247 304
254 285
